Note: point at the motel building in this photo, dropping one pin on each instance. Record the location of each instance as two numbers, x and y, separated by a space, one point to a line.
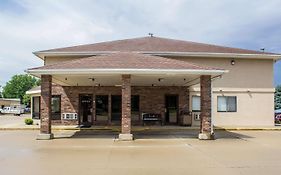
153 80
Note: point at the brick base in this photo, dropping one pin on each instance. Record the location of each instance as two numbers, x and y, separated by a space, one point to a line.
42 136
152 99
125 137
206 136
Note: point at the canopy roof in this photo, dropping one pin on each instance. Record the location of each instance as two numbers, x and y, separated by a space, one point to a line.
122 63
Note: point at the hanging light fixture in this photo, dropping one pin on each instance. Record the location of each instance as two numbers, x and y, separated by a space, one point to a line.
232 62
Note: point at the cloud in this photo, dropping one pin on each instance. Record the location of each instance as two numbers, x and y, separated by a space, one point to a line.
28 25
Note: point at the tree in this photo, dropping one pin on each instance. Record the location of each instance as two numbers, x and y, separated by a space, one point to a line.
1 96
277 97
18 85
26 99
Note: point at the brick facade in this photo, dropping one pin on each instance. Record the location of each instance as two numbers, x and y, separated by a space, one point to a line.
206 112
152 99
46 91
126 105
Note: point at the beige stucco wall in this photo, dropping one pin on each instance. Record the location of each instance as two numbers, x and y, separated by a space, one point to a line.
254 107
246 73
251 80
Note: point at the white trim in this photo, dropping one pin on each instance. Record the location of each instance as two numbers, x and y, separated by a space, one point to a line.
10 99
33 92
42 54
218 90
125 71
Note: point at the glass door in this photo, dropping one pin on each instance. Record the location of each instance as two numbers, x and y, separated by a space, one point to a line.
116 106
171 104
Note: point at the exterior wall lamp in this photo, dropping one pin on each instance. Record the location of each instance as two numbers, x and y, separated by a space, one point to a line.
232 62
160 79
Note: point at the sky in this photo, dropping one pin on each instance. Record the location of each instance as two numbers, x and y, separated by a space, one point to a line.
29 25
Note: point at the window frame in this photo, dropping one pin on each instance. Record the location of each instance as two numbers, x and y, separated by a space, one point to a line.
106 97
199 103
56 115
138 103
227 108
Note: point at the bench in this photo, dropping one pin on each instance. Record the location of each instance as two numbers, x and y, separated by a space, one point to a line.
150 117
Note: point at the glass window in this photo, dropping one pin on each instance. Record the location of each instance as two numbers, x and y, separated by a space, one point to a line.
56 107
102 107
135 103
36 107
195 103
227 104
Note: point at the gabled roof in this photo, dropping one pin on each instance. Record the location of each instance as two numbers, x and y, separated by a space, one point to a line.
150 45
124 62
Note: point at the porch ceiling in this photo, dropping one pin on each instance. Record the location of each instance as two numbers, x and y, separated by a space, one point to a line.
136 80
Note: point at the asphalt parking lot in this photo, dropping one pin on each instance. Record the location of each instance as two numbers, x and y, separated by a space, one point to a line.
9 120
153 152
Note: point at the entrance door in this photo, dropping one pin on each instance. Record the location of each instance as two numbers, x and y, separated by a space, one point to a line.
86 105
171 106
116 107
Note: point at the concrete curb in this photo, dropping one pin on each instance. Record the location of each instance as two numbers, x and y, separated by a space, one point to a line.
140 129
248 129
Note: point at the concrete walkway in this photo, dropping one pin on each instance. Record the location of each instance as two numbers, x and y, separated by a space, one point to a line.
10 122
155 153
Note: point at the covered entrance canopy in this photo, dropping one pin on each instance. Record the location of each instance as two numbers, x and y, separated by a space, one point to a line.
126 69
106 70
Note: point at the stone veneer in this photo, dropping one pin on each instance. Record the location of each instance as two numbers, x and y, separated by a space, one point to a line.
152 99
206 112
126 104
46 83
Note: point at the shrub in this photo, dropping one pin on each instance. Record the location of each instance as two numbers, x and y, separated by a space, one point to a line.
28 121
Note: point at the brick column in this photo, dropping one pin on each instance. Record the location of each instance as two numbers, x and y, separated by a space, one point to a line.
206 112
126 109
45 108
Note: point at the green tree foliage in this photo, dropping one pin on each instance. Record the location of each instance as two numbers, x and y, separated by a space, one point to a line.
1 96
18 85
277 97
26 99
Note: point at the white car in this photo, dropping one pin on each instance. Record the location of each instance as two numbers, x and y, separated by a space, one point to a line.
16 110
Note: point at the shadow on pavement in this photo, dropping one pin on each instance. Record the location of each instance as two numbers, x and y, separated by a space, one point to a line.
149 134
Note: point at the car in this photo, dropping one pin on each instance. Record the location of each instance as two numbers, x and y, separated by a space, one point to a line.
278 118
27 110
16 110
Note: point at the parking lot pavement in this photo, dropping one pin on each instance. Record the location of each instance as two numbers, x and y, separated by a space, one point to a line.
173 152
11 121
